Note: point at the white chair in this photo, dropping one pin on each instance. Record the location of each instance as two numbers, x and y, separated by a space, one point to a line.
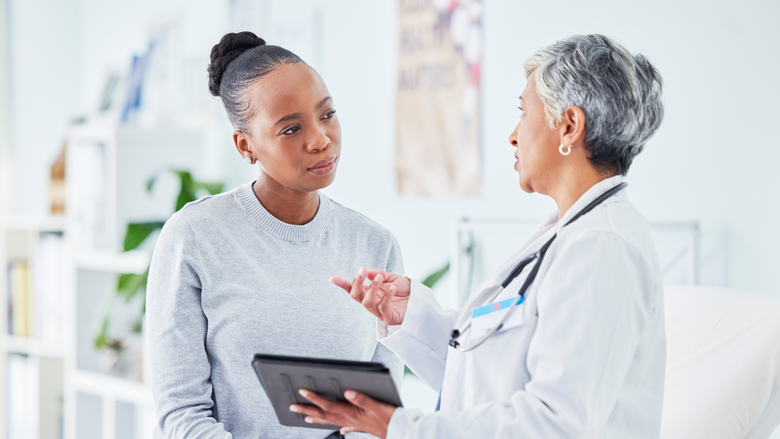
722 364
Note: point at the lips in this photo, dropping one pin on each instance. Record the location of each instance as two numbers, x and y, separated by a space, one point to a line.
323 166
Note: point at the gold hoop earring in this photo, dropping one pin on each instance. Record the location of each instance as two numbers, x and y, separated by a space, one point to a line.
568 151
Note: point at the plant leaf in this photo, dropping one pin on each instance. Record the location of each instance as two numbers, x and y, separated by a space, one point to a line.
431 280
150 182
101 340
130 284
123 281
138 232
188 190
212 188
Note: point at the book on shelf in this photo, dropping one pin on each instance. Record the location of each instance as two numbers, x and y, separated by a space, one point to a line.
49 274
36 309
23 392
9 300
34 404
88 201
19 295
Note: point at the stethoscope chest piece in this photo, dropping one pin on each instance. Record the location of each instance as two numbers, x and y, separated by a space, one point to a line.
454 338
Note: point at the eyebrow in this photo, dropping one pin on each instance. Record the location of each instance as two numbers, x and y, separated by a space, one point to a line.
322 103
297 115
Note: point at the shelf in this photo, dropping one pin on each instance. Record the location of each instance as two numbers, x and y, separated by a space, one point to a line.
127 262
107 386
53 223
32 347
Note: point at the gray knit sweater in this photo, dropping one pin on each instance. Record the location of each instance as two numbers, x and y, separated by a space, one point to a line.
228 280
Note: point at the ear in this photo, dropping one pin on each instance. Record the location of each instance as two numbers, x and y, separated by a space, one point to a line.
572 126
242 144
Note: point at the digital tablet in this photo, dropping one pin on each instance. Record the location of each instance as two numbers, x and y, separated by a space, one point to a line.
282 377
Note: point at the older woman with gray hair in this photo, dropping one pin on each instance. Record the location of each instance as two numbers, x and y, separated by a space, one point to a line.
566 340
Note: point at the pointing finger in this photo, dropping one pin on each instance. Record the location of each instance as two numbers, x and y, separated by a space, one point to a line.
341 283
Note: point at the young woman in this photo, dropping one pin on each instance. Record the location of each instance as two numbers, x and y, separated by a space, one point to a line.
246 272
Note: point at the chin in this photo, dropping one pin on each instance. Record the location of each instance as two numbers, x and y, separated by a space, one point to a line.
324 182
525 185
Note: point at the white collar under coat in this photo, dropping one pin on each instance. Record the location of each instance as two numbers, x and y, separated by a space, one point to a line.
591 194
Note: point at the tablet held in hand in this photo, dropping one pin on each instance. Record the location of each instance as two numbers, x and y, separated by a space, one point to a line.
282 377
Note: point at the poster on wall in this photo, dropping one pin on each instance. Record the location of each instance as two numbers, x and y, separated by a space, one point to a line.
438 98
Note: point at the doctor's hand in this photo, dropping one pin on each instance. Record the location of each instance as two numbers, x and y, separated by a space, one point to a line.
363 415
385 297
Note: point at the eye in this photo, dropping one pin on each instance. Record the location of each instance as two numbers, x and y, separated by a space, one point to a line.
292 130
522 112
329 114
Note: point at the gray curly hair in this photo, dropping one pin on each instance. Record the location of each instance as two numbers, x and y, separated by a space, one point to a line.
619 93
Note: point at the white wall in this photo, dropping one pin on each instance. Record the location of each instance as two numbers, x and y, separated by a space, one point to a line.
5 112
709 161
45 93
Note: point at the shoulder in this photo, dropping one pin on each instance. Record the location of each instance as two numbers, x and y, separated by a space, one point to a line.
608 253
208 210
616 221
616 232
345 218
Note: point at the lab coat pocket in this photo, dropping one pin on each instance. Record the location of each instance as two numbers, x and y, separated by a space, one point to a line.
507 352
513 320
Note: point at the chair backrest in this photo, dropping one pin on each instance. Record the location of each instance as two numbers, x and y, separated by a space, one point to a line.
722 364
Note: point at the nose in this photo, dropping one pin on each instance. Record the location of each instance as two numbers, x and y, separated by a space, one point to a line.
319 142
513 136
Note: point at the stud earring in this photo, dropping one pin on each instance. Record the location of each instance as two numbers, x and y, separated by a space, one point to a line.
568 151
248 160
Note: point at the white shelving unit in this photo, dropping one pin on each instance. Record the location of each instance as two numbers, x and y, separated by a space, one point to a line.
109 389
102 198
43 358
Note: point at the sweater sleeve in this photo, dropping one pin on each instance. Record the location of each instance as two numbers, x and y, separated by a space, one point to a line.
180 368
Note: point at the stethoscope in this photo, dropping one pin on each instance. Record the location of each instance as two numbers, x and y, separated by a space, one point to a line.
539 257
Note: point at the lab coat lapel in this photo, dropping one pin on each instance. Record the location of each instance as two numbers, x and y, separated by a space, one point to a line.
591 194
491 285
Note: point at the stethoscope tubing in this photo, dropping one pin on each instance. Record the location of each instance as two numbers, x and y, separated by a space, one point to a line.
539 257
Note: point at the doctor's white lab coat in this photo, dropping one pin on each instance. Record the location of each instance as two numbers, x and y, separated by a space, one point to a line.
586 358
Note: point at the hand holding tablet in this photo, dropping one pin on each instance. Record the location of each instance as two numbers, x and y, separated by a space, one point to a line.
324 383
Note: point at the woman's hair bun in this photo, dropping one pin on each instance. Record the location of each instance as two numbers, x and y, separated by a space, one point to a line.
229 48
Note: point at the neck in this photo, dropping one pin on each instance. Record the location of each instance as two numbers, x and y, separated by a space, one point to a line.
286 205
573 186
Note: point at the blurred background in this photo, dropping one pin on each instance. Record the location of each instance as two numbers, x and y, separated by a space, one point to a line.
107 127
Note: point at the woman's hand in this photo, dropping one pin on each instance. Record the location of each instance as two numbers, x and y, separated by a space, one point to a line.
362 415
386 297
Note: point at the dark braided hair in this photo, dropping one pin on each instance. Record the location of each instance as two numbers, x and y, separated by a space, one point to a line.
236 63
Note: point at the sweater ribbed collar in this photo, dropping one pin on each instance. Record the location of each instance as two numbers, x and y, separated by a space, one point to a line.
272 225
